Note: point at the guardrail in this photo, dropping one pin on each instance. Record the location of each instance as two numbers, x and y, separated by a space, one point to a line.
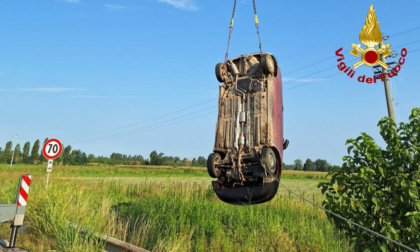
15 213
112 244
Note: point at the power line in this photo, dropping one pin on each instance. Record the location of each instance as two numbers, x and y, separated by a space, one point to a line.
323 70
208 101
403 32
316 63
326 77
148 120
410 43
159 117
342 218
170 124
141 129
414 50
149 128
309 75
326 59
349 221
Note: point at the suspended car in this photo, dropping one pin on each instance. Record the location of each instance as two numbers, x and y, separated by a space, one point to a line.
248 150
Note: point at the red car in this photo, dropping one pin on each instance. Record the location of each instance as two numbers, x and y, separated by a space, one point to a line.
248 150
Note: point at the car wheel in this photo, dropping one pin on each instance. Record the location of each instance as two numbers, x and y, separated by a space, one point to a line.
268 158
267 64
213 160
220 71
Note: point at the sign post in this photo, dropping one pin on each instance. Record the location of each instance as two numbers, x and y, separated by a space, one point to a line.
51 150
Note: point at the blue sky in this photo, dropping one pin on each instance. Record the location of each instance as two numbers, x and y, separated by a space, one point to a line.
133 76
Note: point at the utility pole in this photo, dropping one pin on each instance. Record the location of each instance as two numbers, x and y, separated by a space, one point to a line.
13 151
387 88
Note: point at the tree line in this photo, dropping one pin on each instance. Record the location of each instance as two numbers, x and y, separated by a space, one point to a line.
309 165
69 156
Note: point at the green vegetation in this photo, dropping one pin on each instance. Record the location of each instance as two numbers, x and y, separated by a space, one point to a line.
78 157
318 165
379 188
162 211
69 156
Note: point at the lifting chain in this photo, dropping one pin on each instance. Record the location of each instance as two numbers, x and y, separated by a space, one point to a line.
231 28
257 25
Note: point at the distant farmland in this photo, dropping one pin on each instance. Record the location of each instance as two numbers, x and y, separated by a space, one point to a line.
164 209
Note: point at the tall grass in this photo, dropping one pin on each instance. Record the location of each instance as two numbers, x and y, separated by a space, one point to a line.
176 218
49 213
162 214
134 171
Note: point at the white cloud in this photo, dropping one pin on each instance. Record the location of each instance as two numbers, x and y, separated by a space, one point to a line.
103 96
71 1
114 7
181 4
52 89
286 79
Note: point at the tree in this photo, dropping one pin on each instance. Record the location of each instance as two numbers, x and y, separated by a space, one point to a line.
67 155
177 161
298 165
309 165
379 188
202 161
17 154
78 157
59 159
288 167
116 158
7 153
156 159
153 158
35 152
185 162
41 155
25 155
91 158
194 162
321 165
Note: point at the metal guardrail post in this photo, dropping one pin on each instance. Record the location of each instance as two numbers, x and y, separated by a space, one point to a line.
16 212
13 236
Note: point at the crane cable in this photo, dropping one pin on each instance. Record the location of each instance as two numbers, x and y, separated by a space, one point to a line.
257 25
230 30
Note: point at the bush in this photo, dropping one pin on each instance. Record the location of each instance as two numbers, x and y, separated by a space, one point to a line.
378 188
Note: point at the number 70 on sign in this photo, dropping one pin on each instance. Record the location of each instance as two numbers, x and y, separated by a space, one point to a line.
52 148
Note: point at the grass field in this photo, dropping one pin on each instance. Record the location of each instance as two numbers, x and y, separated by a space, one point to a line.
163 209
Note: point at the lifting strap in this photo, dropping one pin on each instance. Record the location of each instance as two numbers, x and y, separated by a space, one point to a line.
257 25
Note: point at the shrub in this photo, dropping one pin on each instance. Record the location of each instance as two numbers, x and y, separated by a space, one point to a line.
379 188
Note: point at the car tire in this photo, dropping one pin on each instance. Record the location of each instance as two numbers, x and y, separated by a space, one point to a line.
220 70
268 159
213 160
267 64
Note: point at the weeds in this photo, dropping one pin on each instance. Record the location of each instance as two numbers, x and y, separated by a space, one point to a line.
162 213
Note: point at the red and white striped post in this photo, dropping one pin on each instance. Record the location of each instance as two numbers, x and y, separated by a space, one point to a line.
25 183
21 199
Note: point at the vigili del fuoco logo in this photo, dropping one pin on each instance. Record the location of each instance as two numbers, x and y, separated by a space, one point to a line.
371 36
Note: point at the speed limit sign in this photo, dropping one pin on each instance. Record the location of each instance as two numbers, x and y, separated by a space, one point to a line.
52 148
